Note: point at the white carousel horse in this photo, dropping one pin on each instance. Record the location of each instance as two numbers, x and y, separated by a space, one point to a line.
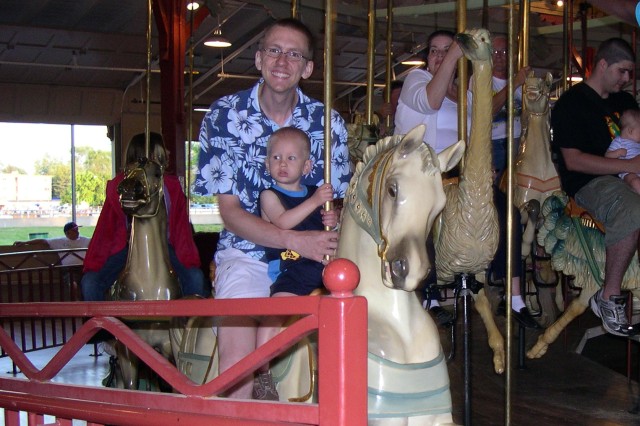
148 274
392 201
576 247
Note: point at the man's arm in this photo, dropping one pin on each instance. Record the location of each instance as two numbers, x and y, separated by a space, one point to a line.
578 161
500 98
310 244
623 9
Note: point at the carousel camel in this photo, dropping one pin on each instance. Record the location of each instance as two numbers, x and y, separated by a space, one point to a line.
468 235
392 201
576 247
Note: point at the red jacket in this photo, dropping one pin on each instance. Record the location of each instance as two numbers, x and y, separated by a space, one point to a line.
111 235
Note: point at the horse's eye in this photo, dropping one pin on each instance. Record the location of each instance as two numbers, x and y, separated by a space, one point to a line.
392 190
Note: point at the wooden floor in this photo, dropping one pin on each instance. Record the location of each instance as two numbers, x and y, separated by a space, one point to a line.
563 388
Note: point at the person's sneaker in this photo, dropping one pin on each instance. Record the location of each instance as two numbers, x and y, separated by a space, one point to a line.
613 314
264 388
444 317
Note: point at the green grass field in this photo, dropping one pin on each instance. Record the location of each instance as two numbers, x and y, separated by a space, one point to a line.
10 235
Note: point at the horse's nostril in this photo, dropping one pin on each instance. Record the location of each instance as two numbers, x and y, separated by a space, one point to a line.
399 268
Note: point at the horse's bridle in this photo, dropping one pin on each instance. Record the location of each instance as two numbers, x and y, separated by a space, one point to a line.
364 204
139 169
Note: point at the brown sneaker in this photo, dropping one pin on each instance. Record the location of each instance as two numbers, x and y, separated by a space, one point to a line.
264 388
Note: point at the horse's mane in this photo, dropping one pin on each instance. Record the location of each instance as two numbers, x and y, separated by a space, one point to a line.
426 152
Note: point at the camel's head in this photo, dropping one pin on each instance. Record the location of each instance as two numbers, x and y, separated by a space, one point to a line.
475 44
536 93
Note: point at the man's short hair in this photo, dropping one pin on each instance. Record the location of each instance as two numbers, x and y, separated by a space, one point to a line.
70 225
297 25
615 50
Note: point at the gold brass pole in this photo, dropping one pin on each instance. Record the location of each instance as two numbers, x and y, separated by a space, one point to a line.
389 68
523 45
461 15
147 125
329 21
371 40
295 9
190 112
511 66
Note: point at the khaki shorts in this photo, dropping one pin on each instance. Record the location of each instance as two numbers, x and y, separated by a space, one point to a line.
614 203
239 276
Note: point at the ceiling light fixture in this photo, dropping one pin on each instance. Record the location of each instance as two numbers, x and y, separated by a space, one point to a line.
413 60
193 5
217 40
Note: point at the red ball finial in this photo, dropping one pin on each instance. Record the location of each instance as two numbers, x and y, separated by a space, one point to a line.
341 277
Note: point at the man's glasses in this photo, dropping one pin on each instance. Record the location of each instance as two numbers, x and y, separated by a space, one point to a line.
502 52
292 56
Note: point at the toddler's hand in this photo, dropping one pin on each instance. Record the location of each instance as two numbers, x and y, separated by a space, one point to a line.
323 194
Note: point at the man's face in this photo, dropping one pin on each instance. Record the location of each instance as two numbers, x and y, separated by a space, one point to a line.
72 233
283 74
617 75
499 57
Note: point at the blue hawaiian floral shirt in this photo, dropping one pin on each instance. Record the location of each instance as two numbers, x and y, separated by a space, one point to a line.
233 149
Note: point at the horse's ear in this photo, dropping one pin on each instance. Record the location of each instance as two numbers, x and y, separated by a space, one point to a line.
548 80
451 156
411 141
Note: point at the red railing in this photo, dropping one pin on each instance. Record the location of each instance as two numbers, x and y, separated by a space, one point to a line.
339 319
39 276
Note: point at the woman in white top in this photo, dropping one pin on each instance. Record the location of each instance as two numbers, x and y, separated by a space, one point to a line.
429 96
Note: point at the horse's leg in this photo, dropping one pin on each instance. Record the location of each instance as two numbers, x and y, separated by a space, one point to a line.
576 308
128 362
496 341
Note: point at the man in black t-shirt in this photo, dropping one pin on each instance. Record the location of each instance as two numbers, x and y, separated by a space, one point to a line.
584 121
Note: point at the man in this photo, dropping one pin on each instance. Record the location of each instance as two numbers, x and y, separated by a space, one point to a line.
387 110
71 240
584 120
233 141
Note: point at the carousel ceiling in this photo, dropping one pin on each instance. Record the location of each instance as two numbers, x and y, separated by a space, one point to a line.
102 43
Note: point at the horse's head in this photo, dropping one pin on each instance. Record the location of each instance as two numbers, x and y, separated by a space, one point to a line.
536 94
395 195
141 189
475 44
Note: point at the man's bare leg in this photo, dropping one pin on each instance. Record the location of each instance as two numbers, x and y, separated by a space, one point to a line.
619 256
237 339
